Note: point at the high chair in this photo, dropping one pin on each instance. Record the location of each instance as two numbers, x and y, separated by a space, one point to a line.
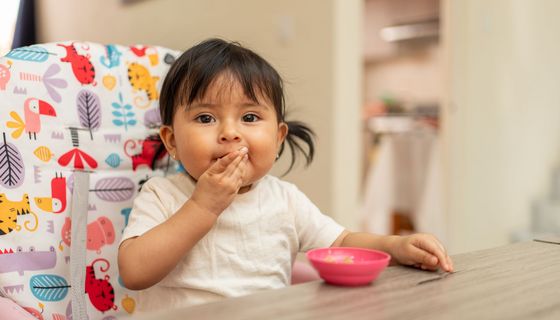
75 148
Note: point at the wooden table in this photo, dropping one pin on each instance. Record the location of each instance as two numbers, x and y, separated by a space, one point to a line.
518 281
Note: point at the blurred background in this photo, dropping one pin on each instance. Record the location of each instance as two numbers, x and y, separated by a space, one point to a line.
431 116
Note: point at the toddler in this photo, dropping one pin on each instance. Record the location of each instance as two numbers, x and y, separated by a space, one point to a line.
224 227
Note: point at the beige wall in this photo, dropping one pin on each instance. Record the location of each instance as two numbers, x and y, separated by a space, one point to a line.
502 114
297 37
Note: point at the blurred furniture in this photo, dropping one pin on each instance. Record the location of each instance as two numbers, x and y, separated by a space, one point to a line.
545 213
518 281
403 187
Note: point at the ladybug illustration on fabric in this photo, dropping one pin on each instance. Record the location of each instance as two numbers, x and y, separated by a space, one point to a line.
81 65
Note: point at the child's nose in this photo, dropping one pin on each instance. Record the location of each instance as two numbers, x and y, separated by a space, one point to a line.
229 133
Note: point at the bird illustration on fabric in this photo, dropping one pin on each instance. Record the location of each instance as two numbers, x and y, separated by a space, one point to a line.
33 109
56 203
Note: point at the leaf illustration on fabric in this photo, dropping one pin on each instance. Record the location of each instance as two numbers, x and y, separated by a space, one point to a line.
114 189
89 110
43 153
32 53
49 287
18 125
12 169
52 83
122 112
79 157
152 118
113 160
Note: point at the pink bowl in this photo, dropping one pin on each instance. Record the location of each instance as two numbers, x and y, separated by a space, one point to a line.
348 266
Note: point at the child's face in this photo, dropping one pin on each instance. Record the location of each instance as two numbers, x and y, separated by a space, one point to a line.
222 122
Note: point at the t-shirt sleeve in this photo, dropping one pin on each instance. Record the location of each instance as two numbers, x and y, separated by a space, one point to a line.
148 211
314 229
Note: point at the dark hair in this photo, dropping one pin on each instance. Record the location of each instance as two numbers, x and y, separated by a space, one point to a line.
192 73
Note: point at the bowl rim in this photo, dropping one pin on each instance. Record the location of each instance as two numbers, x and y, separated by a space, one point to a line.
386 257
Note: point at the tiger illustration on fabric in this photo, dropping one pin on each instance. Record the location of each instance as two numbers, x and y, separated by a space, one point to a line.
141 79
10 210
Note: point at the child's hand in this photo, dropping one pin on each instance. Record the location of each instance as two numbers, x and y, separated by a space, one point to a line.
423 251
217 187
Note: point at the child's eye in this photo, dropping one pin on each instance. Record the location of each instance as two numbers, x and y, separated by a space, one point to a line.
205 118
250 117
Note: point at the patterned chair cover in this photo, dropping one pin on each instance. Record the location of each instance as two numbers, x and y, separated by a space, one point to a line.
75 147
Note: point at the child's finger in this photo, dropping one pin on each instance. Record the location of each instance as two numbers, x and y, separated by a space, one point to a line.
446 263
240 172
423 258
450 264
426 267
223 163
442 248
234 166
434 249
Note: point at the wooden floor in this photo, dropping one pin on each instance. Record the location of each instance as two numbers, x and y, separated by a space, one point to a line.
519 281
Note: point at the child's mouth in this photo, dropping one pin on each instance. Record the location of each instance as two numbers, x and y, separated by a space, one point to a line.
225 155
221 157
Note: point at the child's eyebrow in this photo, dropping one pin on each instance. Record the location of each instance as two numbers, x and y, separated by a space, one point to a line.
253 104
245 104
202 105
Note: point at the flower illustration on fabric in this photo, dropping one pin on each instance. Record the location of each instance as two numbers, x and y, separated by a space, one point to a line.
49 80
52 83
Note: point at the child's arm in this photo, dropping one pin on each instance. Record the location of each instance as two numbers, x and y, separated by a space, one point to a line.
147 259
421 250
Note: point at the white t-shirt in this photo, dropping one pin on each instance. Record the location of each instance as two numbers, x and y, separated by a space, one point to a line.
251 247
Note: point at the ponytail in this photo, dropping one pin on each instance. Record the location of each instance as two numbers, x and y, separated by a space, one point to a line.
298 133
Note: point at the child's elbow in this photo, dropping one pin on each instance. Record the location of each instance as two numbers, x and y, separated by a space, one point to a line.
130 282
130 274
127 279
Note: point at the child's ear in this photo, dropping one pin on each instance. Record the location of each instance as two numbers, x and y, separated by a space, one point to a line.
282 132
168 138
